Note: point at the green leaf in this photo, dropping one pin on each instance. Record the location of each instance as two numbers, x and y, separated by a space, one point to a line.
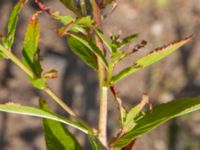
159 115
70 24
82 51
91 46
153 57
30 46
85 21
77 28
105 40
12 23
135 112
130 122
72 5
56 135
63 19
36 112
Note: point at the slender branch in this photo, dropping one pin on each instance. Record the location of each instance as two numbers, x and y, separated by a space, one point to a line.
102 127
59 101
11 56
66 107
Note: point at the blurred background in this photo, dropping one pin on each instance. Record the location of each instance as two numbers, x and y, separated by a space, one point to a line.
158 22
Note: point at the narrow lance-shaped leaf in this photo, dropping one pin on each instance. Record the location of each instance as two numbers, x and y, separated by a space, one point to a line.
30 45
92 47
36 112
105 40
153 57
134 112
12 23
82 51
30 53
57 136
158 116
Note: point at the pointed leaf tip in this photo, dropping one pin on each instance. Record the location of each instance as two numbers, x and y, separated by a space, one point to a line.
35 16
30 53
179 42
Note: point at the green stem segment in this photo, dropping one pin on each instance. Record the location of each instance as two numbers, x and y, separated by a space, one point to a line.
66 107
59 101
11 56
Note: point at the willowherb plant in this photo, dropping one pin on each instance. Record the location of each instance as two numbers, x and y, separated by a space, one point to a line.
86 39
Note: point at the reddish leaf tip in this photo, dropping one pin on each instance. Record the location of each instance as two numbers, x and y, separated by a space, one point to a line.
35 16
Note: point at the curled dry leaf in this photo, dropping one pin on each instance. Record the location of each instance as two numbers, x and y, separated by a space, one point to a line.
52 74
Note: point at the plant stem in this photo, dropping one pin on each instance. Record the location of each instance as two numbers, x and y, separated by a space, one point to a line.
103 116
11 56
59 101
102 125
